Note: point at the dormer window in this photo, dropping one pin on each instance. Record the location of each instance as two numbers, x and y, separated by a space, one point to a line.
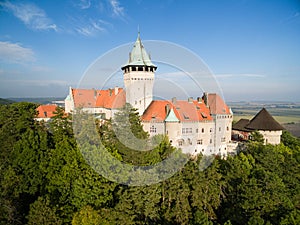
186 117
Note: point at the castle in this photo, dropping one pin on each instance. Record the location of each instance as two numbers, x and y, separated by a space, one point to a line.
201 125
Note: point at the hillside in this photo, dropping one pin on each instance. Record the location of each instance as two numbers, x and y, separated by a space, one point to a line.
4 101
46 100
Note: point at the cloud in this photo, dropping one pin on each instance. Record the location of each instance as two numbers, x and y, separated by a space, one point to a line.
32 16
92 27
294 17
33 88
84 4
15 53
42 82
240 75
118 10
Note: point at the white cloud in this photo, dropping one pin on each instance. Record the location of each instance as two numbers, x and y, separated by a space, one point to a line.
92 27
118 10
37 83
15 53
31 15
42 82
240 75
291 18
84 4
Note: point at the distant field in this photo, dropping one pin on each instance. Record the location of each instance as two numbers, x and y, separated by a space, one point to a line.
282 115
280 119
288 116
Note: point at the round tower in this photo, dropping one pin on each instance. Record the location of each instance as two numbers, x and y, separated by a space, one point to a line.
139 77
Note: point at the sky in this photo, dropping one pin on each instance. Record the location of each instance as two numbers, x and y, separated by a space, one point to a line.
252 47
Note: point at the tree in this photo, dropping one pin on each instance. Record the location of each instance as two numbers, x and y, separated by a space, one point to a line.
200 218
290 141
256 136
41 212
87 216
16 120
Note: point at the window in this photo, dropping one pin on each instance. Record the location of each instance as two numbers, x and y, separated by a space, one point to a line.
197 130
223 139
210 130
199 142
186 130
180 143
227 128
202 130
152 129
210 141
219 128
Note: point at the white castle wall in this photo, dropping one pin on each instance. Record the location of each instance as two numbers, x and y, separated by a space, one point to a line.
139 87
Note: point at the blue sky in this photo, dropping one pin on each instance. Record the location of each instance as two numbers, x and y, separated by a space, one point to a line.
252 47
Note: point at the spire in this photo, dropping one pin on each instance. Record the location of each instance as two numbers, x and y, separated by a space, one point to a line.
138 55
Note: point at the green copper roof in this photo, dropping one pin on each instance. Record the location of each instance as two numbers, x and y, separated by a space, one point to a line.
68 97
171 117
138 55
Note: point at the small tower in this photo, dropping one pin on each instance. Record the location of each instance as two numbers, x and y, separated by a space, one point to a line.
139 77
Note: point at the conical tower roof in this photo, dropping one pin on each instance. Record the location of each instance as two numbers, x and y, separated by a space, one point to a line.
138 55
264 121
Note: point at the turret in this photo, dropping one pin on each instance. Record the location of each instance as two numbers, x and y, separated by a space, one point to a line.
139 77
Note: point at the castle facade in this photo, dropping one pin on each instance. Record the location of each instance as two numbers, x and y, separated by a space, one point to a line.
201 125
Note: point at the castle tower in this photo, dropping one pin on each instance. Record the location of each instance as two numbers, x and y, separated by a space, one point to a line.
139 77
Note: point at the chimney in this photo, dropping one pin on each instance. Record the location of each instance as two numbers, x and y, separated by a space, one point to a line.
190 99
95 93
199 99
116 90
167 109
205 98
174 100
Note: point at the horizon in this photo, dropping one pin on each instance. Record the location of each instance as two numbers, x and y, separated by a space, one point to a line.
228 101
251 47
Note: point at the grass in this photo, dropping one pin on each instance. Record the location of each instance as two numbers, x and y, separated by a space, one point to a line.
282 115
280 119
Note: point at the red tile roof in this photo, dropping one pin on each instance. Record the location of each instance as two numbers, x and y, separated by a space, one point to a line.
217 105
84 97
46 111
91 98
185 111
110 99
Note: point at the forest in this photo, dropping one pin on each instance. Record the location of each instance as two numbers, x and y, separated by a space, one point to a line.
45 179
